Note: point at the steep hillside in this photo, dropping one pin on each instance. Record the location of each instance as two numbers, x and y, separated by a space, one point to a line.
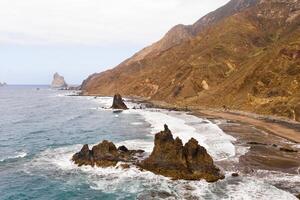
245 55
181 33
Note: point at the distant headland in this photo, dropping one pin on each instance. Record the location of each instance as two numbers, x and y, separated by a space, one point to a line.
3 84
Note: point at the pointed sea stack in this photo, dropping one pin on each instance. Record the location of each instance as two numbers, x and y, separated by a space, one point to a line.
118 103
190 162
58 81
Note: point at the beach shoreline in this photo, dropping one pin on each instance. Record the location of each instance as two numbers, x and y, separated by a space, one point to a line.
259 153
282 127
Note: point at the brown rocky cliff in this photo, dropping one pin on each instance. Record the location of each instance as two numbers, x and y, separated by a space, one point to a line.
247 60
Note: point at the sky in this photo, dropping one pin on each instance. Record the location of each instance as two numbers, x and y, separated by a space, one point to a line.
79 37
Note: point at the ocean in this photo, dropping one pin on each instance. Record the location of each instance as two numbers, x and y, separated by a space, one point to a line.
40 130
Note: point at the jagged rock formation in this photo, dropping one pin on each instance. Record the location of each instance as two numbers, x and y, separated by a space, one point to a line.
247 52
118 102
190 162
169 158
58 81
105 154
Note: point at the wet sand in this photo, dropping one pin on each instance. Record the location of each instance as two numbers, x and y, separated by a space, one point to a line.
268 148
267 152
290 131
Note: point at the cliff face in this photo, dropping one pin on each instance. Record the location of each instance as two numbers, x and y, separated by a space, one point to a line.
245 55
58 81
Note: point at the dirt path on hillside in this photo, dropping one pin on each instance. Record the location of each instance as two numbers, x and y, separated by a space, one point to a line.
292 134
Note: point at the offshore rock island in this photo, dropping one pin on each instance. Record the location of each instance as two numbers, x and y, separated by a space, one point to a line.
168 158
118 103
190 162
58 82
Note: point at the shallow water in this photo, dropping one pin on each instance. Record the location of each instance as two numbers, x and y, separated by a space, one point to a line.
41 129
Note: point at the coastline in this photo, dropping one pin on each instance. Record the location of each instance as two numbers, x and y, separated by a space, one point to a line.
259 154
278 126
272 143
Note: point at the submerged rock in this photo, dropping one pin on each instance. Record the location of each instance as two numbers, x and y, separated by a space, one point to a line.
105 154
118 103
190 162
58 81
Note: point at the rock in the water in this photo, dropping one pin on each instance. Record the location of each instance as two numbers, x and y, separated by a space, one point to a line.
190 162
58 81
118 103
3 84
123 148
105 154
84 157
234 174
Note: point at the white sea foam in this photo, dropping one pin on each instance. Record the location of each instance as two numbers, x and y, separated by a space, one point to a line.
243 188
134 181
297 146
104 101
16 155
136 123
186 126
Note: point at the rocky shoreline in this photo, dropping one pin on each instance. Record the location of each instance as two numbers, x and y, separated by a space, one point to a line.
266 150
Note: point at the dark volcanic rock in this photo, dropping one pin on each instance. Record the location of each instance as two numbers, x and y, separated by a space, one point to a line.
256 143
234 174
123 148
190 162
288 149
105 154
118 102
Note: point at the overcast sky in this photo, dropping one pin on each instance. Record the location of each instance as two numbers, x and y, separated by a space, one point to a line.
80 37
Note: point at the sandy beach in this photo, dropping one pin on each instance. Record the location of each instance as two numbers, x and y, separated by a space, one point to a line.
288 130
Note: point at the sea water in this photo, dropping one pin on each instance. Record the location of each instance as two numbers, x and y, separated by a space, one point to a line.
40 130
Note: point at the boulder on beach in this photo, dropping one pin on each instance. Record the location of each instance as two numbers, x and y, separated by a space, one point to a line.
170 158
118 103
105 154
58 81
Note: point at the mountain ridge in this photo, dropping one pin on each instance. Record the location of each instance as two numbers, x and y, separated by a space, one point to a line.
248 59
